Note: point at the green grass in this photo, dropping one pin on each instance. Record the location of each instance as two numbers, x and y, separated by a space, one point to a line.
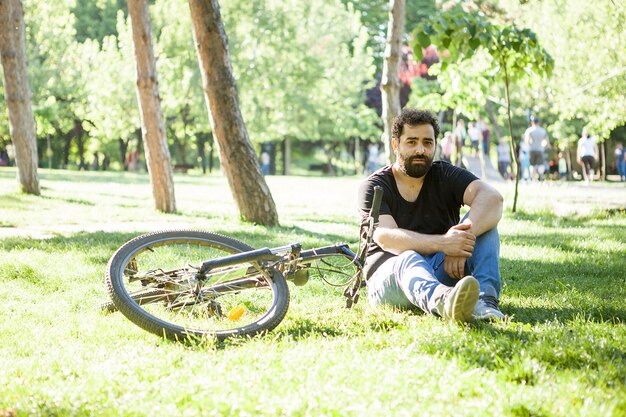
561 353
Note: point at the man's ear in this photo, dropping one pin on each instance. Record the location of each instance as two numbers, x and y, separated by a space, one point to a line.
394 143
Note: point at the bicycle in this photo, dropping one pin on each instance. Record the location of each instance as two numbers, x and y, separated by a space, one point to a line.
188 283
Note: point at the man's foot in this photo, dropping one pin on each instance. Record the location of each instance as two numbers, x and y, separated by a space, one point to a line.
457 303
487 309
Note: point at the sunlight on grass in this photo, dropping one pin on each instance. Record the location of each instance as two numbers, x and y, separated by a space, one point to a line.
559 353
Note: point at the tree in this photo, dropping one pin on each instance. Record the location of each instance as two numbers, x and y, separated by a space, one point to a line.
17 94
112 94
515 53
587 45
152 126
237 156
302 69
374 16
390 83
179 75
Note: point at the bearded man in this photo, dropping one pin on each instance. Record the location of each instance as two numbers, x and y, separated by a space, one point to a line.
422 256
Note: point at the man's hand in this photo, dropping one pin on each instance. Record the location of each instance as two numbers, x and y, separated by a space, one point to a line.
454 266
459 241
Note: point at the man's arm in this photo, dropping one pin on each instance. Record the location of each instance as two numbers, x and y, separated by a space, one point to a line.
485 204
485 212
391 238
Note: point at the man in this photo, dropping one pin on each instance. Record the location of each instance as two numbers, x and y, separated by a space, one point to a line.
460 134
475 135
504 158
538 140
586 154
447 147
422 257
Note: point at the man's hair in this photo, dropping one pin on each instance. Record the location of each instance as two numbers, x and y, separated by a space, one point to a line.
414 117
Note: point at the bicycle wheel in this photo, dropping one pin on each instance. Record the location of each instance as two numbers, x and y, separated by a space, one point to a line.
152 280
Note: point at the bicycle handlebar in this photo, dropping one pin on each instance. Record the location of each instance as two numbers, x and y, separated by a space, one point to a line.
378 196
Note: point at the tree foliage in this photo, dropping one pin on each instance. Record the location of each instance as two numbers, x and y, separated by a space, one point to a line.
587 42
301 70
514 53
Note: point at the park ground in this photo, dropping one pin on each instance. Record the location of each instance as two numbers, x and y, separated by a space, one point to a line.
559 353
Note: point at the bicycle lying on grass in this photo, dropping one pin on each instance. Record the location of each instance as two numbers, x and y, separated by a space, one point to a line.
189 283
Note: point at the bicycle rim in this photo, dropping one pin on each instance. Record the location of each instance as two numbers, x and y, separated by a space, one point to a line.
153 281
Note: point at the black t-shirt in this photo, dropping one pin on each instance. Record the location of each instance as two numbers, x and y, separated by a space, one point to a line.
435 211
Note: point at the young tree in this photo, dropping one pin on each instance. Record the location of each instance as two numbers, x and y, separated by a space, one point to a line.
152 126
515 53
17 94
237 156
390 82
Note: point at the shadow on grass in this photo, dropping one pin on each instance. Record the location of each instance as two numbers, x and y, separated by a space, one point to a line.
524 354
548 218
564 242
538 315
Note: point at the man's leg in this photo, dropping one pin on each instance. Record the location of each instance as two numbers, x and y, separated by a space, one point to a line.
484 265
408 280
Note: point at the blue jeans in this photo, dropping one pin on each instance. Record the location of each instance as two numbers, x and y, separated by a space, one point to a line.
410 279
621 168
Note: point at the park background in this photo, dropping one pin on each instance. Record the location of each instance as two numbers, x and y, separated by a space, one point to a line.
307 75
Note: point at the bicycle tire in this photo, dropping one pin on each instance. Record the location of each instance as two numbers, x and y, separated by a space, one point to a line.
167 261
140 298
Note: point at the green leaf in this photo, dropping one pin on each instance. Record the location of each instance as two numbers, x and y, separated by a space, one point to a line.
474 43
423 39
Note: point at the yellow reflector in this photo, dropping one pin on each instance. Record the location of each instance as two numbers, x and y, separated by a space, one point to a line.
236 313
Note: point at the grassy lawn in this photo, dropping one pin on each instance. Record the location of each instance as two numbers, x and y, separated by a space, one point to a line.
561 352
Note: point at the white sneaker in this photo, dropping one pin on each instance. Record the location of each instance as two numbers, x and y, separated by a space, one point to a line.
458 303
487 309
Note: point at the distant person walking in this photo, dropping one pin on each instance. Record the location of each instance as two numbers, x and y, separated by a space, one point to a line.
373 158
538 142
587 154
504 159
265 163
447 147
4 158
524 159
562 165
486 134
475 135
460 134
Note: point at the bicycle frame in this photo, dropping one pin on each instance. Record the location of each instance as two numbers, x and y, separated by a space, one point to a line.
291 258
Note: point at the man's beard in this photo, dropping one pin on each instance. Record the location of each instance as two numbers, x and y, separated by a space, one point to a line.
413 170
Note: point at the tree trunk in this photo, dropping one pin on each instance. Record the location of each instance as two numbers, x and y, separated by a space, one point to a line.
123 148
237 155
17 94
602 163
516 163
78 133
287 156
390 82
153 129
67 143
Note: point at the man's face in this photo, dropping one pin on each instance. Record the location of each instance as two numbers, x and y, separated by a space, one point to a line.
415 149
